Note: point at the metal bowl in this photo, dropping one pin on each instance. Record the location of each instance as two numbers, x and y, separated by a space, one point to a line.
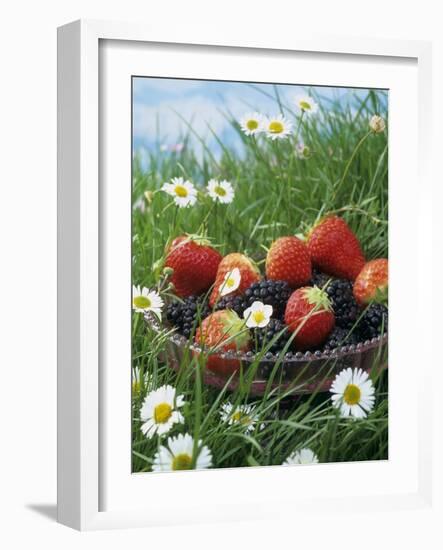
302 373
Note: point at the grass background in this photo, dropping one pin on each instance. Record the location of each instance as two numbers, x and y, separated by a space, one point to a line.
276 194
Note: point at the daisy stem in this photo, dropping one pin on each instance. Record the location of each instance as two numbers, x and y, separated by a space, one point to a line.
300 120
348 165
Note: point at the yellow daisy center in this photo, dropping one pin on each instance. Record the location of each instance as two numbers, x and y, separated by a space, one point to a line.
252 124
258 316
276 127
162 413
182 462
305 105
142 302
239 416
230 282
220 191
352 394
181 191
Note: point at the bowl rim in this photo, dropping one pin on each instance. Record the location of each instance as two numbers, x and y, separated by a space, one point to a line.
295 357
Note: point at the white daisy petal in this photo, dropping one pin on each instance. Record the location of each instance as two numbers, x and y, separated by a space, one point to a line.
353 393
158 412
220 191
258 315
183 191
252 123
241 415
144 300
231 282
306 104
178 455
304 456
277 127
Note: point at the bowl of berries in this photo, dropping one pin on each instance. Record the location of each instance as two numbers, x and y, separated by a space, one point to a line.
320 307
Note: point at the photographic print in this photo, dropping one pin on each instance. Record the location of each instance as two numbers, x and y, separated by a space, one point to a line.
259 274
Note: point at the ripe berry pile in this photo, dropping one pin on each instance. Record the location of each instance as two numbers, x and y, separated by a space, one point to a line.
340 337
273 293
323 293
373 321
273 336
345 307
187 315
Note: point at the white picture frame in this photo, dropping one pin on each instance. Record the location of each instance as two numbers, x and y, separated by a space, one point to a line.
81 412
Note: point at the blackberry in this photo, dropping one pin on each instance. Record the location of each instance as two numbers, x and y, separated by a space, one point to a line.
340 337
236 303
263 336
319 279
187 315
270 292
343 302
373 321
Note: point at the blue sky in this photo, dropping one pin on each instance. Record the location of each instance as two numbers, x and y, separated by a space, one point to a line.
157 102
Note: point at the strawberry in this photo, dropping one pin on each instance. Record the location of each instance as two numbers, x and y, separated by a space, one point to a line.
288 260
243 268
194 263
335 249
371 283
309 314
223 326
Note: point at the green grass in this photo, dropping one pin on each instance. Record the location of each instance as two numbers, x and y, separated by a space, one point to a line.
275 194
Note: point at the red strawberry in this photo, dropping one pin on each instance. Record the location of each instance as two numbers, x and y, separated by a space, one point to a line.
248 271
335 249
372 282
309 314
194 263
288 260
218 327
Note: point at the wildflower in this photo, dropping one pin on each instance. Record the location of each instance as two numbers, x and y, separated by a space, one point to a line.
252 123
159 411
278 127
242 414
377 124
220 191
144 300
304 456
353 393
178 455
306 104
183 191
258 315
230 282
302 151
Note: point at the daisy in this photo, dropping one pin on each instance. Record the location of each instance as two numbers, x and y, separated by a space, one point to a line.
377 124
183 191
220 191
230 282
242 414
159 411
146 300
304 456
353 393
278 127
257 315
252 123
306 104
302 151
178 455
